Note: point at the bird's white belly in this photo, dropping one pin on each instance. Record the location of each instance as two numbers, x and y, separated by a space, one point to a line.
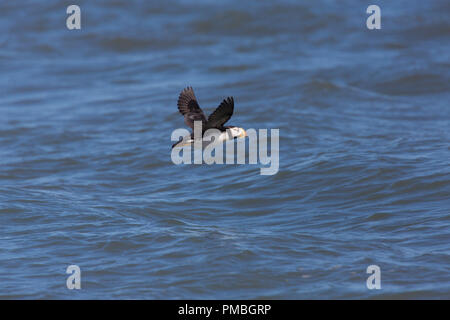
207 139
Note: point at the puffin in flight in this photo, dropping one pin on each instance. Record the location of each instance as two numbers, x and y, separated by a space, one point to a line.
189 108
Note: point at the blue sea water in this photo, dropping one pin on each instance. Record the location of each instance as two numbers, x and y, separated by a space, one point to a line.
86 176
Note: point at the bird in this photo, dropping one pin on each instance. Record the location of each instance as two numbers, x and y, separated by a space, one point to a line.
190 109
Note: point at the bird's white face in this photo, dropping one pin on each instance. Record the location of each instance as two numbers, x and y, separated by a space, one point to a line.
237 132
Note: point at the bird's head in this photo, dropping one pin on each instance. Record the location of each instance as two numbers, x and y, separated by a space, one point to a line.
237 132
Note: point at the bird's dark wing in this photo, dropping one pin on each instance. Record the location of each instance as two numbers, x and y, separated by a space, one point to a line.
189 108
222 114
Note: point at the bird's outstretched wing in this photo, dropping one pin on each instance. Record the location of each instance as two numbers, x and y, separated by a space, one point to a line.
189 108
222 114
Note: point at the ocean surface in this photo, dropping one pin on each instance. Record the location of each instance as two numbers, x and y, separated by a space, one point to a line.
86 176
